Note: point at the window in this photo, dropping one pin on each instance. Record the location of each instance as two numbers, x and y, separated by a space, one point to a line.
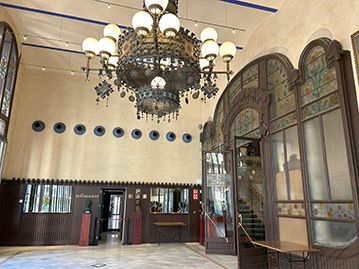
331 204
48 199
9 62
169 200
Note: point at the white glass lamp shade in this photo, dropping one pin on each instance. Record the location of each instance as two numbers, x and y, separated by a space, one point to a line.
156 6
112 31
227 51
90 46
203 64
208 33
112 62
158 83
169 24
107 47
210 50
142 22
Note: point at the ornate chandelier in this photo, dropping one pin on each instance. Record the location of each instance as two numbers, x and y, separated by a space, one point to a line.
157 61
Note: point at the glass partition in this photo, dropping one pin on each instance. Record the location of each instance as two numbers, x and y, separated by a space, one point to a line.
218 203
169 200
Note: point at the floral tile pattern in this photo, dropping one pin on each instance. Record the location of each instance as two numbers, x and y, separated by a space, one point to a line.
319 79
283 122
282 99
324 104
246 121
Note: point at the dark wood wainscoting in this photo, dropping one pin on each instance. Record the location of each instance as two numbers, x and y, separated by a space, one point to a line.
45 229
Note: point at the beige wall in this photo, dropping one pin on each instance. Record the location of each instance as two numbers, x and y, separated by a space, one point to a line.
56 97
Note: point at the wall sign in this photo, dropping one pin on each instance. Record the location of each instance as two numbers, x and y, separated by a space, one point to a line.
195 194
84 196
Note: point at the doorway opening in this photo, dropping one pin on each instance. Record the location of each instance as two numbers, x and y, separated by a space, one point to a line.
111 220
249 201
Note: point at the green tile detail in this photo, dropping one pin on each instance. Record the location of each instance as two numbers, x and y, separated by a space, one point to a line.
324 104
283 122
250 77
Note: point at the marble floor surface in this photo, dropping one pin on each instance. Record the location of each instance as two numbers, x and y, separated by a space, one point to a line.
110 253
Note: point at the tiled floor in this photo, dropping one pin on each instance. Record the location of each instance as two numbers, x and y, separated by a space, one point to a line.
112 254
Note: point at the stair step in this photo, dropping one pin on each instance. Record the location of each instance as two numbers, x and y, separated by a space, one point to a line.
253 225
251 220
244 207
246 211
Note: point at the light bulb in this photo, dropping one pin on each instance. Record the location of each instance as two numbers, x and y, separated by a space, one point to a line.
156 6
169 24
142 22
107 47
112 31
208 33
227 51
210 50
90 46
158 83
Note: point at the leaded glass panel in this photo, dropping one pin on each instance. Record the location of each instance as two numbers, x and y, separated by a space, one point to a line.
314 160
293 164
283 122
282 99
27 198
45 205
246 121
2 127
218 118
5 106
219 206
235 88
291 209
5 59
278 166
334 234
250 77
337 160
322 105
319 79
335 211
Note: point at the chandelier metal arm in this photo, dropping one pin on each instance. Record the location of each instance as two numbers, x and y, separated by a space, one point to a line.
158 61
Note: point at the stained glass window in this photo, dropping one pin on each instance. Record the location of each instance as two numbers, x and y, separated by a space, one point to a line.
326 154
48 198
282 99
246 121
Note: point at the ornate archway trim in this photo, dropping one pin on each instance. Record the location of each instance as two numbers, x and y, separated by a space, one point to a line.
251 97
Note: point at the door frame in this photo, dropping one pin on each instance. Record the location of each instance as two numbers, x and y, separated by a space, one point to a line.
251 258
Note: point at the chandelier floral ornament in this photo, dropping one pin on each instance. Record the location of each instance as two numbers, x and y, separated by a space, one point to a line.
157 61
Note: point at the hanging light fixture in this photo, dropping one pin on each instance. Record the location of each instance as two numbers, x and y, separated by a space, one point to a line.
157 60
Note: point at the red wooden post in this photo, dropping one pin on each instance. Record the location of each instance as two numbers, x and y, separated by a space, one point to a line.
137 229
85 230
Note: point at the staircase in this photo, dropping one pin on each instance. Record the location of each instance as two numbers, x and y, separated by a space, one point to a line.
251 221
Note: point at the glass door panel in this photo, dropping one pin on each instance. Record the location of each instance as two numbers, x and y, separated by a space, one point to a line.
219 210
249 201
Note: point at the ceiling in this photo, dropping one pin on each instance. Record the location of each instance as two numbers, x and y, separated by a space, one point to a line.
55 29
